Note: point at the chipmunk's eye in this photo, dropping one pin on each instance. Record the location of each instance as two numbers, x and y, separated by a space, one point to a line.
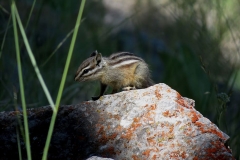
85 71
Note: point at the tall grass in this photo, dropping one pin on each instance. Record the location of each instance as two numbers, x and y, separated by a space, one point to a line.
16 17
170 35
50 131
25 119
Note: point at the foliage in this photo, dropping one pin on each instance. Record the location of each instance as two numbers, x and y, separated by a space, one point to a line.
190 45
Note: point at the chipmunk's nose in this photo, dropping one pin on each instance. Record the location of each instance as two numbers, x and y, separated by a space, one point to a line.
75 77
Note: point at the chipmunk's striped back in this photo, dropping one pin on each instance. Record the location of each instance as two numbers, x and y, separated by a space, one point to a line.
123 59
120 70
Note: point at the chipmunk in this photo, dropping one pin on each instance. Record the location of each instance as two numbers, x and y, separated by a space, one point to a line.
122 70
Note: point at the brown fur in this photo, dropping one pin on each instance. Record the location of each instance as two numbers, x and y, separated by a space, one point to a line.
136 74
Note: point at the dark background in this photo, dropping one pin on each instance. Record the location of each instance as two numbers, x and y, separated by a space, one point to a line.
192 46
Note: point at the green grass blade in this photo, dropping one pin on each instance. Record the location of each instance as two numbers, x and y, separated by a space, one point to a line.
30 14
20 126
3 9
58 46
4 37
13 8
32 58
50 131
19 145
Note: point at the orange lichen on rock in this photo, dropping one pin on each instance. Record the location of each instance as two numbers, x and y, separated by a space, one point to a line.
147 152
169 114
148 117
181 101
195 158
151 140
153 107
203 129
154 157
127 135
178 96
180 108
175 154
117 117
112 136
135 157
101 129
199 124
145 93
171 128
157 94
183 155
216 146
193 115
136 120
108 151
166 113
214 131
118 128
103 137
132 129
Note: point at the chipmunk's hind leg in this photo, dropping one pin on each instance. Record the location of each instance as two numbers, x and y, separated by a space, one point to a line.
142 76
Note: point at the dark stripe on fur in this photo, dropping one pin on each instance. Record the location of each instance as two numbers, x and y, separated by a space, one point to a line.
93 73
88 69
120 54
125 59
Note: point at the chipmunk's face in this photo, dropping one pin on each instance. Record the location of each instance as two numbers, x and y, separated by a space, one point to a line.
91 68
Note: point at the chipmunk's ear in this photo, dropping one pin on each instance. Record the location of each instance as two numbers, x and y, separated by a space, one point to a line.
94 54
98 58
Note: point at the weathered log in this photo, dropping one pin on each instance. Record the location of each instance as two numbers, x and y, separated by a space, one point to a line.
152 123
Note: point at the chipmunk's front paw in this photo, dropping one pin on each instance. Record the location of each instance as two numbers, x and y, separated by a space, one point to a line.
128 88
95 98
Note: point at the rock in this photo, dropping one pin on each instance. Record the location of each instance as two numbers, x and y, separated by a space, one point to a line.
98 158
152 123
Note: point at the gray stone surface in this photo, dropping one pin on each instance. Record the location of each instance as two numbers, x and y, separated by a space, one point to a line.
98 158
152 123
